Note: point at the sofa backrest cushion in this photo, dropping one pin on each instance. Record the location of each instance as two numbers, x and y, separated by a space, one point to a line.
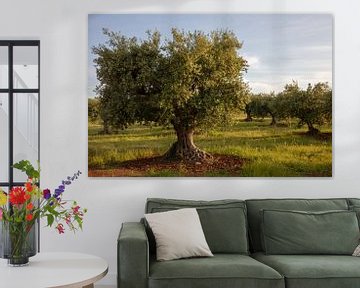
298 232
353 201
256 205
354 205
223 221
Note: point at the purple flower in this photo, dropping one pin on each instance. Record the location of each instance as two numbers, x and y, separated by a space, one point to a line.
46 194
68 181
58 192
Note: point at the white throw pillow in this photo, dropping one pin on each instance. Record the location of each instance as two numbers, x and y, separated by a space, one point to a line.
178 234
357 251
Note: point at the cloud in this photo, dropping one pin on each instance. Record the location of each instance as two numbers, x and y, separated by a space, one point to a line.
262 87
319 48
253 61
268 81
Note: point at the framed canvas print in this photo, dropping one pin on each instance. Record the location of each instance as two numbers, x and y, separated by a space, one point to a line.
224 95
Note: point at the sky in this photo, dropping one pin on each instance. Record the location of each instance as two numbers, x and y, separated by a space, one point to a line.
278 47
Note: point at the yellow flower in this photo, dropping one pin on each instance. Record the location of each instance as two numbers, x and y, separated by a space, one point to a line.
3 198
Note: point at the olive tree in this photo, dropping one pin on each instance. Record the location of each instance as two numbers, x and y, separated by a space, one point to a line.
262 105
187 81
312 106
93 109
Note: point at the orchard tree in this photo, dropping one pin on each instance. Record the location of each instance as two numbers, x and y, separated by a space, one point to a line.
93 109
248 110
282 103
312 106
271 107
255 107
262 105
188 81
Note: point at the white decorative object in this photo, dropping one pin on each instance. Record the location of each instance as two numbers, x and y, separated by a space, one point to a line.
178 234
357 251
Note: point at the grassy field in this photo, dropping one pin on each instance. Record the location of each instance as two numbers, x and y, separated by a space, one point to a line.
267 151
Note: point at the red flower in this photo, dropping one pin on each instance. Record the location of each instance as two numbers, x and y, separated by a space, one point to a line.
75 209
29 186
29 217
68 219
17 196
27 196
29 206
60 228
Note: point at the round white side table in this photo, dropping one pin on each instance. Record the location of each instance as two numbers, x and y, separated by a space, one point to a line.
50 270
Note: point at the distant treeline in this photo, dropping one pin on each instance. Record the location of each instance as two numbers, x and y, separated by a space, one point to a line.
311 106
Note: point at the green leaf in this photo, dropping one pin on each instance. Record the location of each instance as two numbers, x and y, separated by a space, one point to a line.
52 211
26 167
50 219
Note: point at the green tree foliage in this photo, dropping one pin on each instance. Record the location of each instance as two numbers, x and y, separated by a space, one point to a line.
312 106
254 107
272 107
262 105
93 109
191 80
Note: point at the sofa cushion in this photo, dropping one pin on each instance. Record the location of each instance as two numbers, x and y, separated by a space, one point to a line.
254 207
223 221
356 209
297 232
353 201
313 271
354 205
178 234
222 270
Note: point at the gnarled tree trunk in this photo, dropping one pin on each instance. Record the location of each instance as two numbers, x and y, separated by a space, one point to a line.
273 120
185 149
248 118
312 129
248 113
106 128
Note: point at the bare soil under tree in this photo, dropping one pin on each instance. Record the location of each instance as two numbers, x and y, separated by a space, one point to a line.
229 165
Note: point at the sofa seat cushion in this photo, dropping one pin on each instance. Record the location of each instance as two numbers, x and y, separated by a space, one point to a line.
313 271
222 270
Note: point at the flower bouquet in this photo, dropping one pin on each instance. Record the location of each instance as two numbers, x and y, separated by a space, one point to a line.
21 208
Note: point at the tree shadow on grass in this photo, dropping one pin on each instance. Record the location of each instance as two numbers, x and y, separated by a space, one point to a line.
322 136
222 165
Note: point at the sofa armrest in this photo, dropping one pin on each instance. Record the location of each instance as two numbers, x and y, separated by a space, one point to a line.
133 256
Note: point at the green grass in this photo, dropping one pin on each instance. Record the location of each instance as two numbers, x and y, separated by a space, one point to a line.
268 151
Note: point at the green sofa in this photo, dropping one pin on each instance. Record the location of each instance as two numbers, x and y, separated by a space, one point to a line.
234 232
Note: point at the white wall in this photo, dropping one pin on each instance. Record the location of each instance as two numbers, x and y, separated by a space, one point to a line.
61 25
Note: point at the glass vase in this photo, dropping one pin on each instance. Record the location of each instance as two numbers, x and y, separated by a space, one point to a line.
18 242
